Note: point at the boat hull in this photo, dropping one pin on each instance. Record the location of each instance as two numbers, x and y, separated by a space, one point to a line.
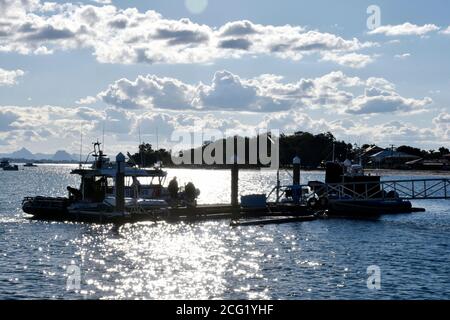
46 207
368 207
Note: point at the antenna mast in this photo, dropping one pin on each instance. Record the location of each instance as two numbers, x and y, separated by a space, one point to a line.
333 151
157 139
103 135
140 148
81 141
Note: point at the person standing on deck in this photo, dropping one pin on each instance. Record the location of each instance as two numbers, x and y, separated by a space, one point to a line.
173 188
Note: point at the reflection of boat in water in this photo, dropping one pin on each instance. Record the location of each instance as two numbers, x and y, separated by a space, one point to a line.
143 193
5 165
29 164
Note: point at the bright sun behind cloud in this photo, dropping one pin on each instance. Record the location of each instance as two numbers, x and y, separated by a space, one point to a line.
196 6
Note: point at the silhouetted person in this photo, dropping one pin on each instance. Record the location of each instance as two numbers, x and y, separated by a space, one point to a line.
75 193
173 188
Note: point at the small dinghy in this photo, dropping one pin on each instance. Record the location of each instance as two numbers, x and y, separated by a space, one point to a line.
271 220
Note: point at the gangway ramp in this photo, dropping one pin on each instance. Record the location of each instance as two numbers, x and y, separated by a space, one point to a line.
413 189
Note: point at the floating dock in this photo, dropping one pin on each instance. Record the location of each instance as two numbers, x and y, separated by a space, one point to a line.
355 196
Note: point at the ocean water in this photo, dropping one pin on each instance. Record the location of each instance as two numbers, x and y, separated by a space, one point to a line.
322 259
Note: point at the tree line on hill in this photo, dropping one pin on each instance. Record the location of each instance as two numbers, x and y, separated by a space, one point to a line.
313 150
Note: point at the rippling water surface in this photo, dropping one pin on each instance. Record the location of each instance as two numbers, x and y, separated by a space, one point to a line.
321 259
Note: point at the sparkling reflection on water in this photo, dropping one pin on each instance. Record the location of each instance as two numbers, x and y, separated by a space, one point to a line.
209 260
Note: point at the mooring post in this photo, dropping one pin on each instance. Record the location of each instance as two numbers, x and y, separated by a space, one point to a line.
278 186
235 186
120 183
296 179
296 174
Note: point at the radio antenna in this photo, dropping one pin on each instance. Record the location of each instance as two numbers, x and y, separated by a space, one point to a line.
81 141
157 139
103 135
140 146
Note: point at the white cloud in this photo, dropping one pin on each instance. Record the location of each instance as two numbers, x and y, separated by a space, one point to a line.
147 92
446 31
379 101
405 29
353 60
17 8
442 123
7 118
129 36
402 56
356 130
44 127
9 77
333 92
87 100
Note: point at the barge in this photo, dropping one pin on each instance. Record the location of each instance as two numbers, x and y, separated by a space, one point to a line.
120 192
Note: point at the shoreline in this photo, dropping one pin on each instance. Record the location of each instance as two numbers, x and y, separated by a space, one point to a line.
287 168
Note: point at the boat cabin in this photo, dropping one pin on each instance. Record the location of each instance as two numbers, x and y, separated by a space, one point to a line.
98 180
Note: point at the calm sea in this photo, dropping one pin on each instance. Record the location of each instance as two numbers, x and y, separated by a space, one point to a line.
322 259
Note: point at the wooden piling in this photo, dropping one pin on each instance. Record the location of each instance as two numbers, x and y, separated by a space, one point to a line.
120 183
234 185
296 172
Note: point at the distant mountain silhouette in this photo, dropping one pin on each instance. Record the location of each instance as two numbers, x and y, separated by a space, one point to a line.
62 155
22 154
25 154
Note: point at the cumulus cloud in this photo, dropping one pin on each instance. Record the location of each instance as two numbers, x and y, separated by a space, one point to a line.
290 122
379 101
87 100
353 60
59 127
402 56
9 77
17 8
405 29
442 123
446 31
130 36
442 119
7 118
351 129
149 91
267 93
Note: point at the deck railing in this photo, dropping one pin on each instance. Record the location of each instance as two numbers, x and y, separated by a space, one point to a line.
415 189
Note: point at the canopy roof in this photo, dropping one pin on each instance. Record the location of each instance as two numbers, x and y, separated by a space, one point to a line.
111 172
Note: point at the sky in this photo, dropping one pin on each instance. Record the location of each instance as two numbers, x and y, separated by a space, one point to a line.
130 71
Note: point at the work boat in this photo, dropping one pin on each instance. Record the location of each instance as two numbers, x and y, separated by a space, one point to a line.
6 166
4 163
143 189
348 191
